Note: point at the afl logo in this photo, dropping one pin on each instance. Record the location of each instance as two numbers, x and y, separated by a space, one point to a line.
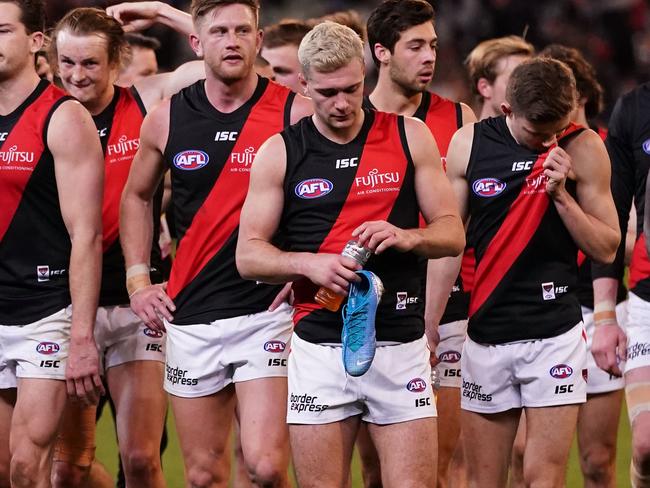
561 371
191 159
274 346
450 357
314 188
156 334
416 385
646 146
47 348
488 187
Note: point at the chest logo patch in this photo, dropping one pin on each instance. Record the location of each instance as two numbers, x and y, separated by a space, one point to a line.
313 188
488 187
191 159
646 146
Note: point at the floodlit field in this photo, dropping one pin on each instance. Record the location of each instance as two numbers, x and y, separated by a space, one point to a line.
173 466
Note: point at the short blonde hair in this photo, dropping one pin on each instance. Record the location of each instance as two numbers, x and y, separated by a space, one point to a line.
483 60
328 47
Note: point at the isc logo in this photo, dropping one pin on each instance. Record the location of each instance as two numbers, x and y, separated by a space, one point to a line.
563 389
347 163
522 165
154 347
422 402
3 136
313 188
416 385
274 346
156 334
561 371
191 159
277 362
49 363
224 135
488 187
452 373
47 348
450 357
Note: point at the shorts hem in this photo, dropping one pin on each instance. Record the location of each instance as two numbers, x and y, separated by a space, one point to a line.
565 401
125 361
252 377
401 419
29 376
494 409
323 421
195 394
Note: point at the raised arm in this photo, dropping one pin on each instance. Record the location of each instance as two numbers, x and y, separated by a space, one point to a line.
590 218
138 16
257 258
79 168
136 219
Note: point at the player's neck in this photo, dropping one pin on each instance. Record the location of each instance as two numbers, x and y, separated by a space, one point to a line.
97 106
488 111
580 117
343 135
228 97
390 97
15 90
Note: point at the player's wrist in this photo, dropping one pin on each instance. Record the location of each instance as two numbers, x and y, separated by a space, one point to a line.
605 313
137 278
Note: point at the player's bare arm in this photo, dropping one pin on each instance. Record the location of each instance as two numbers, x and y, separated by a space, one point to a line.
302 107
138 16
155 88
591 219
442 273
468 114
79 168
609 345
257 257
148 301
444 234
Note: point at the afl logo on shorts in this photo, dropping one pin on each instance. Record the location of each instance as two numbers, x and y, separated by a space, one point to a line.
646 146
47 348
156 334
274 346
561 371
416 385
488 187
314 188
450 357
191 159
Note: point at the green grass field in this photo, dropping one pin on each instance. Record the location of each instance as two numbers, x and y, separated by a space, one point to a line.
173 465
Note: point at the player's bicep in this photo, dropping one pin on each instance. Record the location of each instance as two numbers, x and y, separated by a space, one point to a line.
592 169
458 155
262 209
154 88
148 168
78 164
433 190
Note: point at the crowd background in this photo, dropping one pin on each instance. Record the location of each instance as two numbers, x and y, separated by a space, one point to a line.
614 35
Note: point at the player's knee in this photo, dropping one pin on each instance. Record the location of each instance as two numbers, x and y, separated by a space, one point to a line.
598 464
200 477
24 471
268 471
141 464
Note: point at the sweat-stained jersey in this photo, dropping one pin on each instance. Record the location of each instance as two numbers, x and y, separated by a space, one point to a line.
34 242
628 145
443 118
329 190
118 126
526 268
209 154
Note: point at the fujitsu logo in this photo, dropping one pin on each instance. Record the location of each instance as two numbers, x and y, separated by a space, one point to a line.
13 155
535 184
124 145
245 158
376 178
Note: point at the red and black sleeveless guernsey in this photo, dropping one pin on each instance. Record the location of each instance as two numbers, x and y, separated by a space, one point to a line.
118 126
34 242
330 189
628 145
443 118
209 154
526 268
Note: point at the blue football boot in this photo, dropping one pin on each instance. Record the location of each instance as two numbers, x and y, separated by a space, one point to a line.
358 335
